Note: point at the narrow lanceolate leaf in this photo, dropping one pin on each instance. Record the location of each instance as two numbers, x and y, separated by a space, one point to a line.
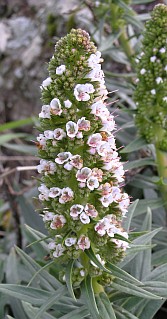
122 274
89 297
16 124
135 145
80 313
10 136
105 306
51 300
68 276
48 281
32 295
139 163
93 257
131 289
130 213
31 311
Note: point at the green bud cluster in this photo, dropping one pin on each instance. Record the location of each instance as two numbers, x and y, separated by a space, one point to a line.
151 91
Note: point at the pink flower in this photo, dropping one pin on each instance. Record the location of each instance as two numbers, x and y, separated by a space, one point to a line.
83 125
55 107
91 211
70 241
84 218
105 189
63 157
48 134
45 113
106 200
58 251
48 216
82 91
83 174
71 129
94 140
58 222
76 161
83 242
76 210
59 134
47 167
54 192
66 196
92 183
44 192
97 172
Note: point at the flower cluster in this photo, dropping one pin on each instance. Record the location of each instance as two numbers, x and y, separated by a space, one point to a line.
81 169
151 93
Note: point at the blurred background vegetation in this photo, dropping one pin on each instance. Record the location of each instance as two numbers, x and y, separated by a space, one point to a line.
29 30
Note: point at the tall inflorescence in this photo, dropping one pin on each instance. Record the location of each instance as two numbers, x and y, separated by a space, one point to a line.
81 170
151 91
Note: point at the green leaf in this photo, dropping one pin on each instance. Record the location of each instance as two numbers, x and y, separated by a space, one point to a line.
131 289
129 215
16 124
105 307
10 136
122 274
135 145
68 275
28 149
143 1
145 203
31 311
157 287
31 295
48 281
80 313
139 163
89 297
91 255
123 313
51 300
40 248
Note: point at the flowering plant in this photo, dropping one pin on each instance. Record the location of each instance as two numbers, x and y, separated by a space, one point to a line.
150 94
81 169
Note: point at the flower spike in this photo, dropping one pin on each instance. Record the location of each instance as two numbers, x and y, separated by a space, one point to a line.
81 170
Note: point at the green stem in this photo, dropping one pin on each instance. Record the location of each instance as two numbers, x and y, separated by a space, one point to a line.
162 171
124 41
97 288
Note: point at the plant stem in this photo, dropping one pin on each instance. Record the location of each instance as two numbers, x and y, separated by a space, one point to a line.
162 171
96 286
123 39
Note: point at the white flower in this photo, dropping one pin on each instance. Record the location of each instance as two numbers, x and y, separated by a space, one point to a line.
83 242
162 50
108 124
99 109
76 161
94 59
100 228
54 192
159 80
48 216
76 210
106 200
71 129
82 91
116 193
63 157
94 140
142 71
119 171
82 273
52 245
67 195
48 167
45 113
59 251
105 189
153 58
59 134
83 125
165 68
48 134
58 222
60 69
70 241
84 218
68 166
44 192
153 92
83 174
91 211
46 82
55 107
165 98
67 104
96 74
92 183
